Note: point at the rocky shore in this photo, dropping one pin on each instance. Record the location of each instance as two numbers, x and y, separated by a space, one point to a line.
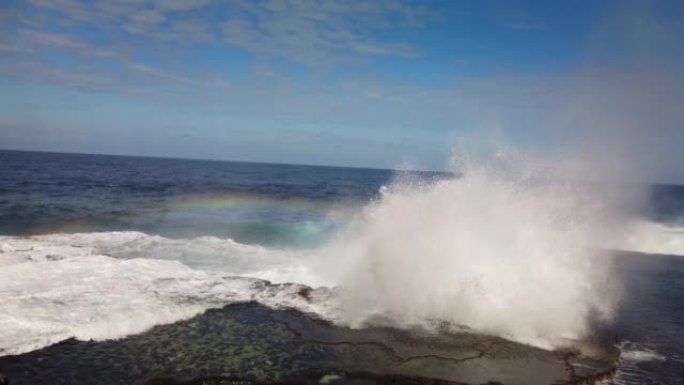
251 344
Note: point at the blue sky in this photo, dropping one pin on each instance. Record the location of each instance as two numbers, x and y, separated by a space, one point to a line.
388 83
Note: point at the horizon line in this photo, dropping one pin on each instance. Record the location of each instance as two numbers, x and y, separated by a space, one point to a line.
218 160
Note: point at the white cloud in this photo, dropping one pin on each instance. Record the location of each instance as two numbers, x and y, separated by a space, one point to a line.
147 69
180 5
32 38
29 42
305 31
314 31
144 21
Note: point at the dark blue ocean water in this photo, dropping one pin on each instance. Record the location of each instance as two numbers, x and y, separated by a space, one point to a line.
42 191
249 202
299 206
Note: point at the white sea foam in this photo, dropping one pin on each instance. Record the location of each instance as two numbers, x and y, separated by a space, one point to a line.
654 238
641 355
629 371
506 249
510 256
203 253
502 264
61 286
636 352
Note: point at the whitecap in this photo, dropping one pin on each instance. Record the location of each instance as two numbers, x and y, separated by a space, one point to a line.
61 286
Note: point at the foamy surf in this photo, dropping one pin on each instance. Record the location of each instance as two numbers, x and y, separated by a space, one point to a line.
113 284
654 238
631 356
61 286
202 253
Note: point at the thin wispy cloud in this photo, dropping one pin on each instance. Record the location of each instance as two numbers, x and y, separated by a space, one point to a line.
313 31
142 38
367 73
304 31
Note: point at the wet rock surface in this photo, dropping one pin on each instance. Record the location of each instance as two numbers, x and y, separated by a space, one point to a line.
252 344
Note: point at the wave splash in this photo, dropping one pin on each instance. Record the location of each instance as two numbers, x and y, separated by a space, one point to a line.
514 256
522 259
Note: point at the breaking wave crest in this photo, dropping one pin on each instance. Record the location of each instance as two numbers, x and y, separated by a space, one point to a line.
514 255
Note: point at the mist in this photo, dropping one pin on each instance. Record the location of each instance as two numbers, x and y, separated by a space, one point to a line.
522 245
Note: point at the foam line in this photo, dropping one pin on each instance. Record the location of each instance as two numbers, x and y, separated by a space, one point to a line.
52 291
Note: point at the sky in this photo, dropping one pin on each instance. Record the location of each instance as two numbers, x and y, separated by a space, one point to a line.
386 83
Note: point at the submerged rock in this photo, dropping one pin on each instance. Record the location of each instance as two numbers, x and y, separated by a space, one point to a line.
3 379
252 344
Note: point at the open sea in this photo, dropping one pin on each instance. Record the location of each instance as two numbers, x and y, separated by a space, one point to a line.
103 247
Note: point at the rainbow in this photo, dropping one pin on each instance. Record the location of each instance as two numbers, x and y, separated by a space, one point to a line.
218 202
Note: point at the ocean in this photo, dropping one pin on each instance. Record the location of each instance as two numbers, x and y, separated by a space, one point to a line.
98 247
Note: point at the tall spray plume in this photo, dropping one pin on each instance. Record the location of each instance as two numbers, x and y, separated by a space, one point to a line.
520 247
498 251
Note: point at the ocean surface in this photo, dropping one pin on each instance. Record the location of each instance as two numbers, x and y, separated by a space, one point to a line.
99 247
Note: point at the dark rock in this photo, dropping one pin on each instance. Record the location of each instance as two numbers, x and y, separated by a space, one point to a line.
305 292
252 344
3 379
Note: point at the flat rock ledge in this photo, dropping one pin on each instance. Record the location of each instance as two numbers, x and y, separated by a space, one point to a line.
251 344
